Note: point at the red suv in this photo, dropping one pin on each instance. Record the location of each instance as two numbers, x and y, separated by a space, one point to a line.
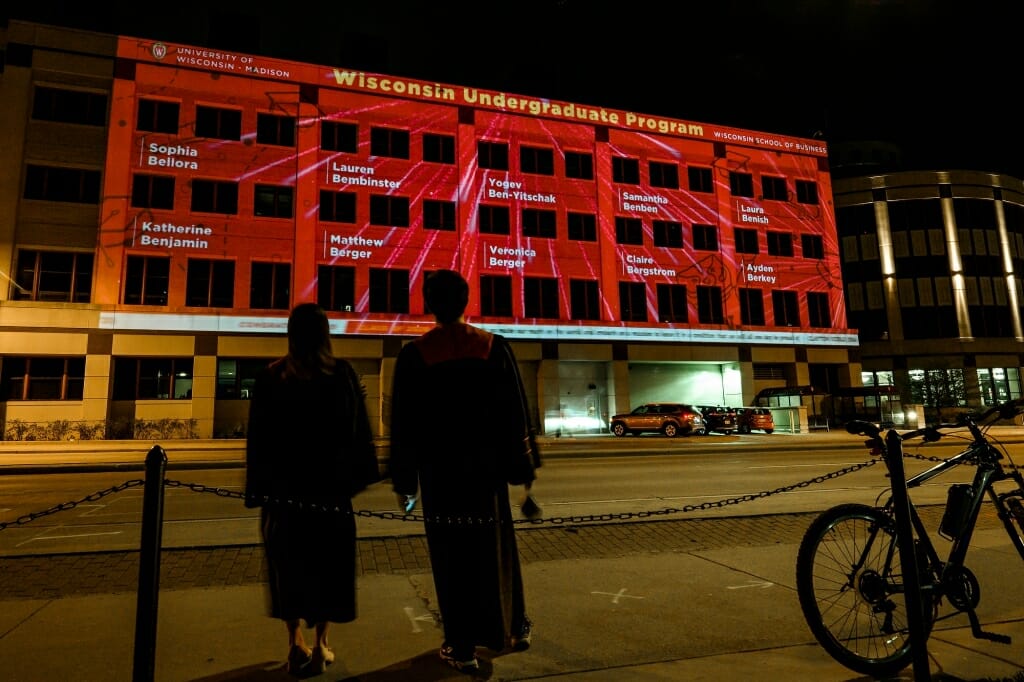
754 418
671 419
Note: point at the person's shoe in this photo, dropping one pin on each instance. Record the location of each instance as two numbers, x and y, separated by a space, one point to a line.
321 658
298 659
463 663
521 641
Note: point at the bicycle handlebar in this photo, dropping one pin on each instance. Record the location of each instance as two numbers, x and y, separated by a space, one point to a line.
932 432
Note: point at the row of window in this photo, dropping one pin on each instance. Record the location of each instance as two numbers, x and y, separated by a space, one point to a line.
45 275
63 378
160 116
338 136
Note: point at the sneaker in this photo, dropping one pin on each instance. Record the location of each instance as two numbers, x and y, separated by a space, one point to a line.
521 642
460 663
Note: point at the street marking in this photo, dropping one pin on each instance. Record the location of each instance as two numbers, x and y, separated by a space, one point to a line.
616 596
66 537
750 583
415 619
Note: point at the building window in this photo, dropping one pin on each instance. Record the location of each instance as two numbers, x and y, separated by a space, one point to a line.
336 288
389 211
69 106
75 185
579 165
818 314
337 207
780 243
746 240
236 377
270 285
538 222
540 297
157 116
389 142
275 129
152 378
493 155
709 305
389 291
53 276
672 306
774 188
214 196
741 184
806 192
538 160
438 215
42 378
494 219
752 307
217 123
272 201
210 283
153 191
668 233
998 384
664 175
495 295
625 170
785 309
812 246
438 148
937 388
700 179
336 136
632 302
629 231
705 237
146 280
582 227
584 301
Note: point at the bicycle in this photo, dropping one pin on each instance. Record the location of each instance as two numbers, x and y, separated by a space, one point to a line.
848 571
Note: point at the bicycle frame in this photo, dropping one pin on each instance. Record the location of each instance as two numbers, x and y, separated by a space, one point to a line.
989 471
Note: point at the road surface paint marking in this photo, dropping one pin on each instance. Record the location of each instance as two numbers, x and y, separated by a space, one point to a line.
93 508
750 583
616 596
67 537
415 620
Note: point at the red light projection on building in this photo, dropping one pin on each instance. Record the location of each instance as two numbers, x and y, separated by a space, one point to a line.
237 186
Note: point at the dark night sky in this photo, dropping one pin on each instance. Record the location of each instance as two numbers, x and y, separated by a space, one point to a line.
938 78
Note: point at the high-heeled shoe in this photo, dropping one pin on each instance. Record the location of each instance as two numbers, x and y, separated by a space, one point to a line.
298 660
321 658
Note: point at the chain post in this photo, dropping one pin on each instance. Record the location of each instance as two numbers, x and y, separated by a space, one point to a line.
149 566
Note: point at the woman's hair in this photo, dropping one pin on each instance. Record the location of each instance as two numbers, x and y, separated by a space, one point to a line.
309 342
446 294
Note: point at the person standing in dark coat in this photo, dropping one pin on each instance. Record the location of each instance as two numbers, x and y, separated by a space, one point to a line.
460 434
309 449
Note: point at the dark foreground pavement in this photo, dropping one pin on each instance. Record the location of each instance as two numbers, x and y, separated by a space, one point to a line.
691 599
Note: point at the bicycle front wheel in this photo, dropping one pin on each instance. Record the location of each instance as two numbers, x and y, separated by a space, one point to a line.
850 584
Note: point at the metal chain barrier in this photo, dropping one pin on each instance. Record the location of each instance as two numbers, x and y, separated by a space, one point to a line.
402 516
64 506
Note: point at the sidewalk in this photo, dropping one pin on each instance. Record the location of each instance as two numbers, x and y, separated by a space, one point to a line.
716 602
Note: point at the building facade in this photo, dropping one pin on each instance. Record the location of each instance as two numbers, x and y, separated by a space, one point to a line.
164 205
932 266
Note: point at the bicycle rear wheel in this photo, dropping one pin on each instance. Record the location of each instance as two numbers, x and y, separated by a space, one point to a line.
850 584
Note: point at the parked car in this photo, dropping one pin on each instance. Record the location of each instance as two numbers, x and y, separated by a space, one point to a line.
754 419
671 419
718 418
